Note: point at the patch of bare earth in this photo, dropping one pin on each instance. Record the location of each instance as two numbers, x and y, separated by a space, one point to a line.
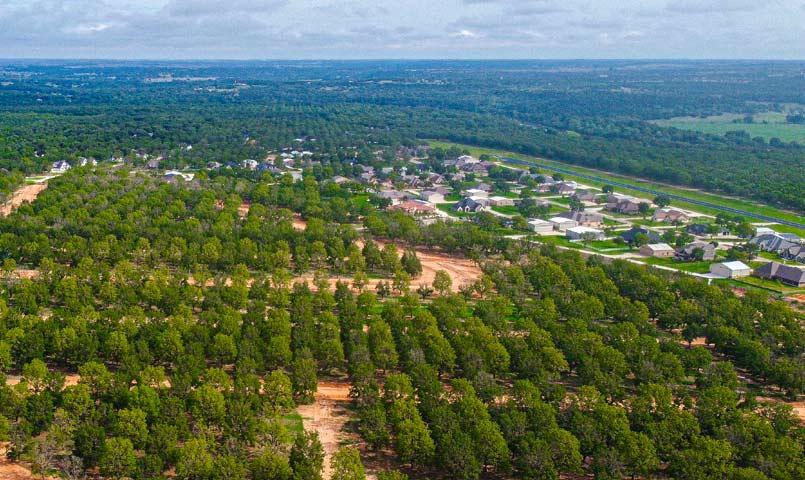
327 416
27 193
10 470
298 223
798 406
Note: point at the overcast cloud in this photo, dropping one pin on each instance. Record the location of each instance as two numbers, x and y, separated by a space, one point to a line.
287 29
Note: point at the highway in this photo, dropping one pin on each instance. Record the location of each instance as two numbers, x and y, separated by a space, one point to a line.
734 211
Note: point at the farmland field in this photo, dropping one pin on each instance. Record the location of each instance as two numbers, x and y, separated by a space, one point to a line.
767 125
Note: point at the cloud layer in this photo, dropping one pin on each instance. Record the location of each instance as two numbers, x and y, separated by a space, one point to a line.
265 29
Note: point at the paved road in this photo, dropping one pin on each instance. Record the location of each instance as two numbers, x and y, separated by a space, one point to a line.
650 191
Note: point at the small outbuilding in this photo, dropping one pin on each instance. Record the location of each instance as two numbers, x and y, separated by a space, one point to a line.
584 233
657 250
734 269
562 223
540 226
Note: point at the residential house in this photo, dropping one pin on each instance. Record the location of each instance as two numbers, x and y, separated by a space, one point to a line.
466 160
498 201
562 223
475 192
469 205
540 226
794 252
585 196
213 165
414 207
249 164
670 215
623 204
60 167
734 269
483 186
153 164
764 231
629 235
776 242
413 181
395 196
338 179
566 188
587 219
584 233
84 161
657 250
431 196
790 275
702 229
442 189
435 178
174 175
689 251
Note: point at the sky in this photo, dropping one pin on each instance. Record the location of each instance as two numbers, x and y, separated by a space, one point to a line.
379 29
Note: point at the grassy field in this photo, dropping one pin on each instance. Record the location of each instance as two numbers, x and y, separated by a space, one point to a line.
693 267
507 210
769 285
767 125
746 205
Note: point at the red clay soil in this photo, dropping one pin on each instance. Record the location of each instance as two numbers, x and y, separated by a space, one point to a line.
27 193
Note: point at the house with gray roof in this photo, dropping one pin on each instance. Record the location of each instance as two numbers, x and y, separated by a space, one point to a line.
788 274
689 251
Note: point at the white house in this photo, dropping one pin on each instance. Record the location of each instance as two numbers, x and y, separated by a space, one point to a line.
540 226
498 201
476 192
432 196
173 175
583 233
249 163
730 269
60 167
84 161
562 223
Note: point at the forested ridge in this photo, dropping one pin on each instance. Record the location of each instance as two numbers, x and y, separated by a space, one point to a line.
192 343
591 113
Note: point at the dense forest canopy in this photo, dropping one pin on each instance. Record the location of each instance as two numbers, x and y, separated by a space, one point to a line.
192 345
589 113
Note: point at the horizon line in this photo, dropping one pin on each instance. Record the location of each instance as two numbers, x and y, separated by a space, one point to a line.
407 59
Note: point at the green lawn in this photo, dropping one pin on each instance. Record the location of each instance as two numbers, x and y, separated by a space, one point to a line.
774 126
452 197
610 222
693 267
507 210
747 205
769 285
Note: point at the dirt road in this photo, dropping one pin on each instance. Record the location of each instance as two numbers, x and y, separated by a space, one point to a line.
327 416
26 193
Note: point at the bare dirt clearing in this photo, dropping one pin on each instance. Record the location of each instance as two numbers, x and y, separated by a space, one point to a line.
298 223
14 471
327 416
27 193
